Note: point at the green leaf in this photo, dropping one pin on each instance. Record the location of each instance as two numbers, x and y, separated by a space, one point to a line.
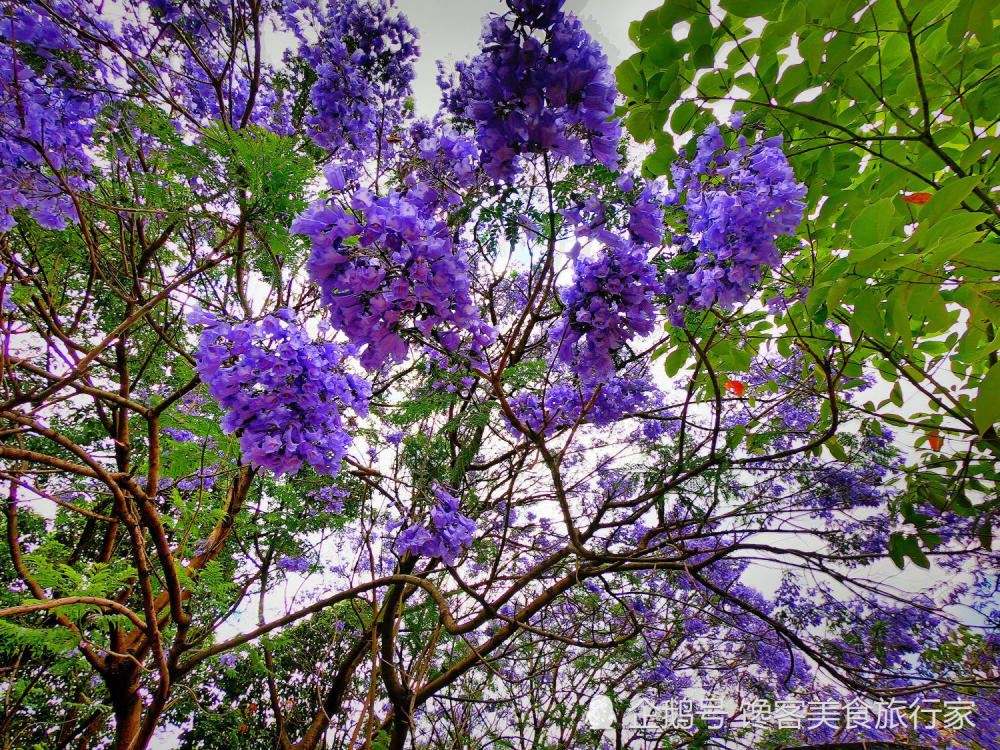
675 360
680 121
896 395
701 32
750 8
926 302
714 85
981 20
959 22
861 254
703 56
742 359
735 435
948 197
874 222
868 315
975 151
960 504
958 223
896 549
836 294
663 18
911 548
634 33
930 539
666 51
985 534
986 405
899 313
815 299
631 81
658 163
837 450
640 123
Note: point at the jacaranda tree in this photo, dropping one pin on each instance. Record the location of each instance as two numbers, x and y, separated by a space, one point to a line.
324 425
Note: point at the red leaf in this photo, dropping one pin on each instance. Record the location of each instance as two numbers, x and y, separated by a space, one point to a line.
917 198
935 441
734 386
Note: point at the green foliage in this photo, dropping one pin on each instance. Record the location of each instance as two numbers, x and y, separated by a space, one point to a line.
238 713
39 640
888 114
524 373
902 546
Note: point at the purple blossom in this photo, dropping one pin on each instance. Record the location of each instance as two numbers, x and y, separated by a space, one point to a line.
211 66
449 534
285 395
560 405
540 85
6 301
332 498
404 277
51 91
294 564
363 60
608 304
645 224
736 202
180 436
445 163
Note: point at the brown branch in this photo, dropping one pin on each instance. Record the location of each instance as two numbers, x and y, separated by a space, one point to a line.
23 609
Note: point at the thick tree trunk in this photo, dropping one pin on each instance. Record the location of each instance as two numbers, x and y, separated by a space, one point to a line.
400 729
124 689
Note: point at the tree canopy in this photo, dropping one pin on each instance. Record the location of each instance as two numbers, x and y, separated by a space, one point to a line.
326 425
887 111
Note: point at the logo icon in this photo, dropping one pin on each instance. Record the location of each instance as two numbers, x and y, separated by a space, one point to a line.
600 713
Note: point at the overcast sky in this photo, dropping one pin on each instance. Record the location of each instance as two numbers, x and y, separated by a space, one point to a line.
449 30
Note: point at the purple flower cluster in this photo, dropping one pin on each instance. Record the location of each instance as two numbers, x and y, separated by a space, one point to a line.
404 274
181 436
332 498
294 564
645 223
209 64
560 405
451 532
612 296
609 303
363 60
284 394
540 85
202 481
599 218
201 76
448 162
50 95
736 203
